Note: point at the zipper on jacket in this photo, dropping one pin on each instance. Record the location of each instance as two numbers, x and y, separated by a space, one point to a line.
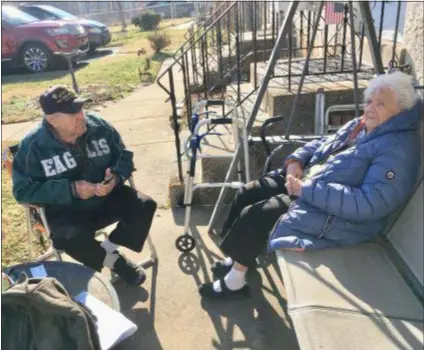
327 225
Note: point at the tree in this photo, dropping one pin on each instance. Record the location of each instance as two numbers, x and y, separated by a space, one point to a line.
122 16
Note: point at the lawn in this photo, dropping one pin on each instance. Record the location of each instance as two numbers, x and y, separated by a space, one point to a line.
134 36
104 79
13 224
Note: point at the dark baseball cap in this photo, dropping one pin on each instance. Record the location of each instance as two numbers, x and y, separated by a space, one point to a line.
61 99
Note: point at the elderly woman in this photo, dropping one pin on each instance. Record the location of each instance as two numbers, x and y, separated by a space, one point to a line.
332 192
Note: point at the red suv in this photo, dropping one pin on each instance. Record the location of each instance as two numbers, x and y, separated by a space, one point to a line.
34 44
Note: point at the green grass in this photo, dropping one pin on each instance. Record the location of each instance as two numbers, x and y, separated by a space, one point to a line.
115 76
104 79
19 109
133 33
13 225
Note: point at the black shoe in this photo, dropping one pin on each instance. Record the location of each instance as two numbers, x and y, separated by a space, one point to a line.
206 290
219 269
130 272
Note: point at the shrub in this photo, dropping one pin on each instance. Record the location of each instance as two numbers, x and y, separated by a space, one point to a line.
147 20
158 41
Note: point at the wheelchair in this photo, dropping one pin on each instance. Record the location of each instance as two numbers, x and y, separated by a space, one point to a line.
37 225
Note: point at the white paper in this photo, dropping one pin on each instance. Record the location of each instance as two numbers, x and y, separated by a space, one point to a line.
112 326
38 271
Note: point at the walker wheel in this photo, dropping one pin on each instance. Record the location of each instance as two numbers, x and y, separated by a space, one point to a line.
185 243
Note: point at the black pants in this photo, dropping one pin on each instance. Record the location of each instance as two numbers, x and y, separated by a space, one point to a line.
253 213
74 230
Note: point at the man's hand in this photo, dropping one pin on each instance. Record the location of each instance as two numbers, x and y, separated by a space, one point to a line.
294 169
85 189
294 186
104 188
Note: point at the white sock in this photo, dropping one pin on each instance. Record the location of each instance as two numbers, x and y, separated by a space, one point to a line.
228 261
110 260
234 280
109 246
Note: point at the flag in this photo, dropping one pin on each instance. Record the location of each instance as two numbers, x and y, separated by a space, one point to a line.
333 12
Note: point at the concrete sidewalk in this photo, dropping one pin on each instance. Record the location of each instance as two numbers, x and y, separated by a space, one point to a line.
167 308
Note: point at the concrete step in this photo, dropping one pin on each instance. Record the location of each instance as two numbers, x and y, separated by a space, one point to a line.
281 103
316 66
263 49
201 197
247 107
246 89
281 91
208 170
279 97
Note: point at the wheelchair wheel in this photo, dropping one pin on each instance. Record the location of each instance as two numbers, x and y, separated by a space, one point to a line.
185 243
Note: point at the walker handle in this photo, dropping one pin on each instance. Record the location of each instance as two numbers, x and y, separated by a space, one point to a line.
215 103
221 121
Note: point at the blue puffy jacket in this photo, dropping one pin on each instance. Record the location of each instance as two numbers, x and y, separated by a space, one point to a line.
349 200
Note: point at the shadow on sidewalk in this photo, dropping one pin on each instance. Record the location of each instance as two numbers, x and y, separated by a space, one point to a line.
249 324
144 317
254 323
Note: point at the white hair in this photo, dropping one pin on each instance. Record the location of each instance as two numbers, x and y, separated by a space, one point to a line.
400 83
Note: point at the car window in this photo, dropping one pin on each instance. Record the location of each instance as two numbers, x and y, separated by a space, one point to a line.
58 13
15 17
33 11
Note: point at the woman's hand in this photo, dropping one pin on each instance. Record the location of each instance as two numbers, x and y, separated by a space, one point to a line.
295 169
294 186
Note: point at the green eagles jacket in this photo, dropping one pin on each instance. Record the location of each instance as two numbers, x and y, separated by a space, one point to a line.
44 166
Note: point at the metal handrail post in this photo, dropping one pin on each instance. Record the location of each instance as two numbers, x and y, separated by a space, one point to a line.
371 36
353 49
176 125
305 69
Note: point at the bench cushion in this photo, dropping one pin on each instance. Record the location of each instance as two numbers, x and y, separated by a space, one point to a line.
324 329
407 235
359 279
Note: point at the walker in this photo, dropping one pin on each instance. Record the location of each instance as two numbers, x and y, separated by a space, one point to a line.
185 242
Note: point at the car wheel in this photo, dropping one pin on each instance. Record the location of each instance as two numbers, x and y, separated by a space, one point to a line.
92 49
36 57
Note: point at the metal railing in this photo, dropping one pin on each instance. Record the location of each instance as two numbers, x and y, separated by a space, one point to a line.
213 56
181 61
224 47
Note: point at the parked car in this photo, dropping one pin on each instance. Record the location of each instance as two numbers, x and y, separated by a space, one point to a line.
34 44
98 34
181 8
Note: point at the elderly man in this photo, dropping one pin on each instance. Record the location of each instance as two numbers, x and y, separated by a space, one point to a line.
332 192
75 165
